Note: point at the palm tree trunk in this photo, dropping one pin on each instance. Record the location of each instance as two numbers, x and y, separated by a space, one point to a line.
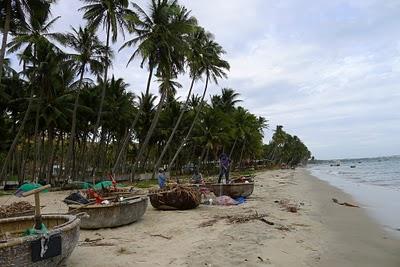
150 132
68 168
103 94
175 128
199 108
5 35
233 148
128 135
16 138
36 145
241 154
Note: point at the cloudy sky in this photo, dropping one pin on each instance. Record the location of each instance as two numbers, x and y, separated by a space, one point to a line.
329 71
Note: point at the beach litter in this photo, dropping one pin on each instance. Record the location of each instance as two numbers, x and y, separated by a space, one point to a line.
285 203
226 201
344 203
22 207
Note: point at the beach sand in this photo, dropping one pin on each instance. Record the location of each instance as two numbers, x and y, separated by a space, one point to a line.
321 233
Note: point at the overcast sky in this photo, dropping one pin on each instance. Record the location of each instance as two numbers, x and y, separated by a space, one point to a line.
329 71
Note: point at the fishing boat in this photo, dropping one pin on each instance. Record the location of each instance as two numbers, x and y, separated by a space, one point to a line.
175 197
111 215
233 190
50 249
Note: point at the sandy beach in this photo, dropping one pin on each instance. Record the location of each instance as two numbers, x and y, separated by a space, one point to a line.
321 233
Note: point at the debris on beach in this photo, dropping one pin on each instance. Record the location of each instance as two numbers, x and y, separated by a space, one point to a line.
15 209
237 219
175 197
344 203
226 201
290 207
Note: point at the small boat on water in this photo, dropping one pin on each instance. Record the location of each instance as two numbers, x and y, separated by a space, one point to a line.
52 249
111 215
233 190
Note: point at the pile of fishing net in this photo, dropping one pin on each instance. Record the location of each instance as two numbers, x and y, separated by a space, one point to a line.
16 209
175 197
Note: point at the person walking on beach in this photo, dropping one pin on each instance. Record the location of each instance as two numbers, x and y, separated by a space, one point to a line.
162 178
224 164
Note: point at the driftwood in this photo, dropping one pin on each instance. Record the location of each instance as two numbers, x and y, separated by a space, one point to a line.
16 209
344 203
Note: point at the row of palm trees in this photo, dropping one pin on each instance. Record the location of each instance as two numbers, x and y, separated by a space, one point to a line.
286 149
64 110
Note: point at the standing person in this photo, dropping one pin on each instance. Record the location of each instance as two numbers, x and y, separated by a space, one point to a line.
224 164
162 178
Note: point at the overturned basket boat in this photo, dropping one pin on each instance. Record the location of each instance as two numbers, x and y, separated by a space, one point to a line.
233 190
57 244
175 197
112 215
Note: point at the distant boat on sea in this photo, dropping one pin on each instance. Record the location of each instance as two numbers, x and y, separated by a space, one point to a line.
336 164
352 166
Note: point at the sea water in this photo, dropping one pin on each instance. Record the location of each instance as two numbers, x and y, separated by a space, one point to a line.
373 182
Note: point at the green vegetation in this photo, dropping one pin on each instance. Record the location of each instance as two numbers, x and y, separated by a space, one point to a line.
286 149
146 184
65 115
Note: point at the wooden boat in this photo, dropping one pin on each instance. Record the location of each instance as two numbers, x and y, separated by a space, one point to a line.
233 190
19 250
112 215
176 197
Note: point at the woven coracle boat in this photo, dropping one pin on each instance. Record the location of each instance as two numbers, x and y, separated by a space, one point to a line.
48 250
175 197
112 215
233 190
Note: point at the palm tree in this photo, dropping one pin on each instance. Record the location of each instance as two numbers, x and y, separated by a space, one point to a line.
91 55
213 67
194 57
13 14
161 42
27 34
115 16
33 32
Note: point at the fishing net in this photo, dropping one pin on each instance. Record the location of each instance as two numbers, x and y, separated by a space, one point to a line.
175 197
16 209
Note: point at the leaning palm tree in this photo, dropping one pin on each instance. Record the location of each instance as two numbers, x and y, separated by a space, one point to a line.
115 16
213 67
90 56
28 35
161 42
196 41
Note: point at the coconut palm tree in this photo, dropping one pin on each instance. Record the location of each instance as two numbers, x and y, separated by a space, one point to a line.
90 56
27 34
13 14
213 67
30 34
161 43
115 16
194 57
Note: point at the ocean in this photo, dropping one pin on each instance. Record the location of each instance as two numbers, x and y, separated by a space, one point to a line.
373 182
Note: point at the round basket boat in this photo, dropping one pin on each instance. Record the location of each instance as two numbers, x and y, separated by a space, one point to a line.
175 198
233 190
19 250
113 215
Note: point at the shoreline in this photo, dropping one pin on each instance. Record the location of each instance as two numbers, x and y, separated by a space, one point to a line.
356 238
321 233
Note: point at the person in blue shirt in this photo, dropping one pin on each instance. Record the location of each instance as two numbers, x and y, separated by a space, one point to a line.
162 178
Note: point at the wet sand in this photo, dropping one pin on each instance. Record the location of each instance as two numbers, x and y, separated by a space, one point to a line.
321 233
